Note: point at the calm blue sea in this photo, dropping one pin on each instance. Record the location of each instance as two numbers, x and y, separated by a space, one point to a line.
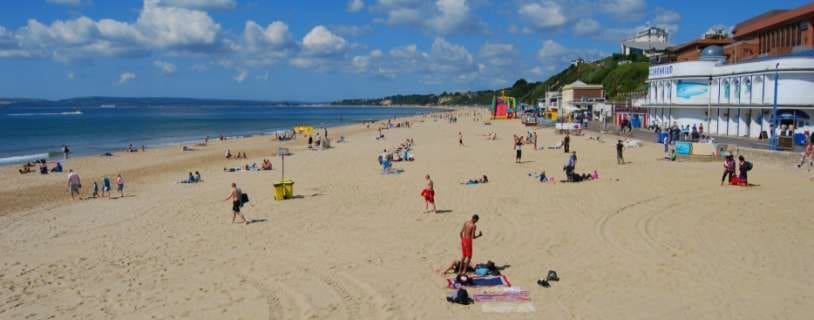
34 132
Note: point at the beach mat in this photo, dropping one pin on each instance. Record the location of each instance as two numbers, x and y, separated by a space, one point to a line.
501 295
490 281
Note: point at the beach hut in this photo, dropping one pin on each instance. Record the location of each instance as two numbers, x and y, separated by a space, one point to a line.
504 107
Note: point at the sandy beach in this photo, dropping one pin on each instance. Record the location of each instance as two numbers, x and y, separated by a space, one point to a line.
650 239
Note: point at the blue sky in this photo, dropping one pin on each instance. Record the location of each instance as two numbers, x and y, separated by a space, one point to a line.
321 50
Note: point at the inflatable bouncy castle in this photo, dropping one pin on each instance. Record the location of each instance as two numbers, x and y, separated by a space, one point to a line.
504 107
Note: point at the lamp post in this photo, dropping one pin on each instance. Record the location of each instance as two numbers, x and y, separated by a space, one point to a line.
773 143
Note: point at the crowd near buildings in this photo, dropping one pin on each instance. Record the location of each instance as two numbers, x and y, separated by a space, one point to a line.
733 84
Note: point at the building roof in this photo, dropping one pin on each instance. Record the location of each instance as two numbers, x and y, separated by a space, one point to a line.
701 43
646 45
770 19
581 85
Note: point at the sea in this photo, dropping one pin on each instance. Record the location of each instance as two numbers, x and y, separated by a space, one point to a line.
31 133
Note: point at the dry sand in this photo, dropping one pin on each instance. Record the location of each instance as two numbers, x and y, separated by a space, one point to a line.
649 240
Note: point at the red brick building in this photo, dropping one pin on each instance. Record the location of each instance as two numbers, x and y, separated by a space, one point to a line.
773 33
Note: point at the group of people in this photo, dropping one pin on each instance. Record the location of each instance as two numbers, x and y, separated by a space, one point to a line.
75 186
131 148
43 167
192 178
743 167
239 155
681 133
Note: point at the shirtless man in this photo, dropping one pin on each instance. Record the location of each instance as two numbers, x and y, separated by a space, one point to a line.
235 196
429 195
467 235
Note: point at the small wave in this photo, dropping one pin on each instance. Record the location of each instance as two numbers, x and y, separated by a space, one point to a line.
18 159
34 114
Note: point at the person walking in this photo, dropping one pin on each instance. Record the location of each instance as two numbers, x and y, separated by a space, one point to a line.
566 143
74 184
518 149
428 193
460 139
66 151
743 167
620 158
729 169
237 201
120 185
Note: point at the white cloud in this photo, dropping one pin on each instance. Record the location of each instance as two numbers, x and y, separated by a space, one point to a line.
497 54
65 2
126 77
199 4
536 71
551 50
165 67
157 28
666 16
322 42
351 31
586 26
275 35
544 14
439 16
241 76
356 5
624 9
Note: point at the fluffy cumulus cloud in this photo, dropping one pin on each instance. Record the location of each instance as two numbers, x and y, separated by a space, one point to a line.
157 28
356 5
200 4
497 54
624 9
266 45
322 42
586 26
165 67
126 77
543 14
440 16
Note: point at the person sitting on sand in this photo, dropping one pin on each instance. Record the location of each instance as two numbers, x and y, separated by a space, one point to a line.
228 154
743 168
25 170
190 178
43 167
197 176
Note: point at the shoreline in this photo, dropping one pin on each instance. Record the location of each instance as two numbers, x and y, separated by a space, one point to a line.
26 193
56 155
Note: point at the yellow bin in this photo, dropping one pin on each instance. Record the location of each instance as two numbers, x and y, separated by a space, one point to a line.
284 190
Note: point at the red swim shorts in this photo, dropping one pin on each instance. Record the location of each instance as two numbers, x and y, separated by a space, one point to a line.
466 247
429 195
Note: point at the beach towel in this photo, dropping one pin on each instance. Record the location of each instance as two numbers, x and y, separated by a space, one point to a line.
491 281
501 295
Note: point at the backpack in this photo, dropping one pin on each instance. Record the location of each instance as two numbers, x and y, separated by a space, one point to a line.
460 296
747 165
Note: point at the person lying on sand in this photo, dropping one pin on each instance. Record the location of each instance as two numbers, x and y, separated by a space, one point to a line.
483 179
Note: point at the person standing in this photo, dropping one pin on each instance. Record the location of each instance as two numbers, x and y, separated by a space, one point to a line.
74 184
566 143
467 234
428 193
106 186
237 201
808 153
620 158
534 136
570 166
66 151
743 167
729 169
120 185
460 139
518 149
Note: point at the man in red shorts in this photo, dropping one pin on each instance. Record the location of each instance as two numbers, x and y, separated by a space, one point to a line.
429 195
467 235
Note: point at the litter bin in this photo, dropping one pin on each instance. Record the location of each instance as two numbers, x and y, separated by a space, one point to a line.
284 190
